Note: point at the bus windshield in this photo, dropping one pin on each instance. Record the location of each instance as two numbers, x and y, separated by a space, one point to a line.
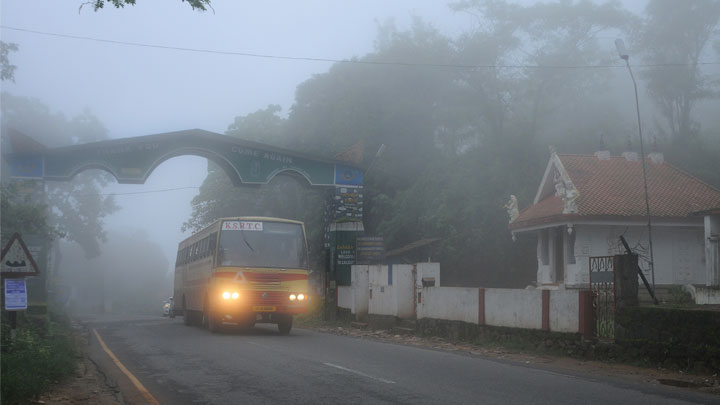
262 244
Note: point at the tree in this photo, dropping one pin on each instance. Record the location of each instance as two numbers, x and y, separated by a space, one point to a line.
403 107
675 36
264 126
534 97
283 197
98 4
77 208
8 70
21 215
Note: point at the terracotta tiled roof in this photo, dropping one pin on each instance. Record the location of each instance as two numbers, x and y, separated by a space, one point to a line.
614 188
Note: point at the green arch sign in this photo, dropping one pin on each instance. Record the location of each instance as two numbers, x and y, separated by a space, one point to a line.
132 160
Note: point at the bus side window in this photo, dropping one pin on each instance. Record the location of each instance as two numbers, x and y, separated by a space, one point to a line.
212 243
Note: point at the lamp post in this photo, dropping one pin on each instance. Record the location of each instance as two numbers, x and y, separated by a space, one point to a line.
622 52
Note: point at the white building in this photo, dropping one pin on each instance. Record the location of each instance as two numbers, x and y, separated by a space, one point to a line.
585 203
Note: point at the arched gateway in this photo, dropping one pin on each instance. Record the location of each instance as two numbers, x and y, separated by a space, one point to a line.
132 160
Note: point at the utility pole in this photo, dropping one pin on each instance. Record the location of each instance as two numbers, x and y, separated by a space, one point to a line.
624 55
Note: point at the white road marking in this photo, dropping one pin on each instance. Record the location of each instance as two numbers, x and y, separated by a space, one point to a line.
258 344
349 370
566 375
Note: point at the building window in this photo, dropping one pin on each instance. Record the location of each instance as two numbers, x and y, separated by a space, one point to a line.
570 248
544 247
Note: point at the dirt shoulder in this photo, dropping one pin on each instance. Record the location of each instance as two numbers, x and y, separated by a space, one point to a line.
589 368
89 385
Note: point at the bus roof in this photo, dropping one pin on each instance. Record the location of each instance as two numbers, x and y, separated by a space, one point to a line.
267 219
216 222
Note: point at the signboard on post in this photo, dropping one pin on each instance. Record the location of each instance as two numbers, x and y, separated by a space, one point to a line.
369 249
17 262
26 167
15 295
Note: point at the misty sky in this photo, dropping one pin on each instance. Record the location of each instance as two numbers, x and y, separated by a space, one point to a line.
138 90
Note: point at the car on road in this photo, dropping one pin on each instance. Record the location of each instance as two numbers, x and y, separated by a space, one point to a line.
171 307
168 308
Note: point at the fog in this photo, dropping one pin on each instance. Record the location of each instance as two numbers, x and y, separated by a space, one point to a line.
129 277
117 65
135 90
138 91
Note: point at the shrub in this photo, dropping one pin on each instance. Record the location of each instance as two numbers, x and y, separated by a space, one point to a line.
42 352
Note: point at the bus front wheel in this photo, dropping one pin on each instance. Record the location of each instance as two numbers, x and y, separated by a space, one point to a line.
187 316
210 319
285 325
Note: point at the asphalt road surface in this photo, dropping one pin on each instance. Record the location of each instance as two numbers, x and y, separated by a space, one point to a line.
188 365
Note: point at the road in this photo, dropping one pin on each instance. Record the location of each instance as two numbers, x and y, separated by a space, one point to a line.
188 365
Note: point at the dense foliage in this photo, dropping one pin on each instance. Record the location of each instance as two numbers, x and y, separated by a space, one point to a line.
7 71
42 353
461 139
23 216
76 208
98 4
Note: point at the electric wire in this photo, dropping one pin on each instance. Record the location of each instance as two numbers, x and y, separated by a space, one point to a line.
136 192
349 61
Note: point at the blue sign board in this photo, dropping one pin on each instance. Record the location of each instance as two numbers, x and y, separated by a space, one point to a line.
30 167
15 294
348 176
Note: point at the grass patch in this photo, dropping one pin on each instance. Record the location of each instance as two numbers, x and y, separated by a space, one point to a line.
42 352
319 316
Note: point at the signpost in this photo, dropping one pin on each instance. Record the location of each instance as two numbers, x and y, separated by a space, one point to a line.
17 263
15 295
369 249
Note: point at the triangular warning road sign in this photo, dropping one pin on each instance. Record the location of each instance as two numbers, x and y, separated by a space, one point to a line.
17 260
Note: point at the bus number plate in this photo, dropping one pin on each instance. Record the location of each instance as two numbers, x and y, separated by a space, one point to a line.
263 308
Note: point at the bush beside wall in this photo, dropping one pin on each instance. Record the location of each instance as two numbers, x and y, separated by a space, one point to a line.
673 337
512 338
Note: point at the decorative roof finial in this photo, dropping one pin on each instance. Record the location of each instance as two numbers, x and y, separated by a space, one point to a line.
655 148
602 140
552 150
512 208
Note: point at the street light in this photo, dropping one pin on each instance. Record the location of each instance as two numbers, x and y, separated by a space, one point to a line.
623 53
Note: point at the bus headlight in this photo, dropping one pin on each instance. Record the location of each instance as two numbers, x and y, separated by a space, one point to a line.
293 297
226 295
235 295
301 297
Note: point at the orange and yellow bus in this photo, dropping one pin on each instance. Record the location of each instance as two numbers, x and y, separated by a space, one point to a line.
243 271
